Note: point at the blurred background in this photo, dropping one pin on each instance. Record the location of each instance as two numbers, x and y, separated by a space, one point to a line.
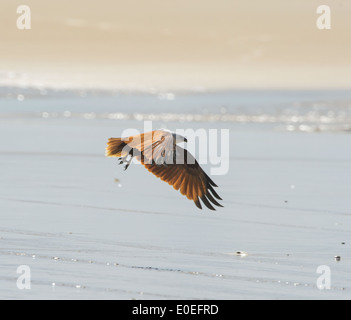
88 70
183 44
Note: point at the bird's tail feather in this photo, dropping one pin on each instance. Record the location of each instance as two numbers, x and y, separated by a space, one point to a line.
115 147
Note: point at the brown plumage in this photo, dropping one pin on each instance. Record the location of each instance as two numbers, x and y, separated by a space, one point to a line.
159 153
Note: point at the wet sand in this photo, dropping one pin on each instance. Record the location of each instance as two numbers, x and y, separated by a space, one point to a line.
89 230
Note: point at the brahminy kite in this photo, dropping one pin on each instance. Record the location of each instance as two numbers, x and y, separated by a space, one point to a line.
159 153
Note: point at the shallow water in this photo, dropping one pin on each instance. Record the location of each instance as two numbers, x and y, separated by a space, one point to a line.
87 229
289 110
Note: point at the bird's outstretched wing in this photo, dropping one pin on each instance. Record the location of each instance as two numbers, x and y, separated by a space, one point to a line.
189 178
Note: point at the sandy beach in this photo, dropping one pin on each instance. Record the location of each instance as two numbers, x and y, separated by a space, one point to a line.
260 70
89 230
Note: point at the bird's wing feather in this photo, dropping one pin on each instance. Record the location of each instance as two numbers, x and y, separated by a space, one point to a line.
190 179
156 146
157 149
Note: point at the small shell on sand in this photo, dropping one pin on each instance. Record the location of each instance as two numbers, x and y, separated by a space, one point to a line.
241 253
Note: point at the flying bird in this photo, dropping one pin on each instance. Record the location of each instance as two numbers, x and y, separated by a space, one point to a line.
159 153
